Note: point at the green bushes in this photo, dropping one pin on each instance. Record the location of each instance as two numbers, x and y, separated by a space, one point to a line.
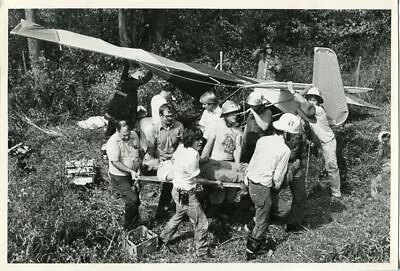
53 89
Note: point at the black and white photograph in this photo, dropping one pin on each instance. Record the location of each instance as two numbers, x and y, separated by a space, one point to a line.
140 134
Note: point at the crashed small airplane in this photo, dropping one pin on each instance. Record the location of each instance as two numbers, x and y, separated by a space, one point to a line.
195 79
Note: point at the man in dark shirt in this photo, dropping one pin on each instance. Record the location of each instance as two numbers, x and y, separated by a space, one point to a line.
258 125
123 105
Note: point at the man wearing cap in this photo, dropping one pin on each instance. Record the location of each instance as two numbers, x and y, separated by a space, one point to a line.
257 125
268 65
265 175
211 113
322 134
158 100
123 105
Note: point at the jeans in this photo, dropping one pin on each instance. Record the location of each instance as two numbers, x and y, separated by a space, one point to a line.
197 218
329 154
165 168
262 199
266 202
123 185
299 195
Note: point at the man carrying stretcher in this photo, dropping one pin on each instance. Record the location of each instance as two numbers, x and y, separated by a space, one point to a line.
220 159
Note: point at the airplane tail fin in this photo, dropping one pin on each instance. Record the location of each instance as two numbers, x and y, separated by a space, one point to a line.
327 78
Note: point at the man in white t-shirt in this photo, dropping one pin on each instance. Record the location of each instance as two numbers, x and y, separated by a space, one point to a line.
221 155
124 162
158 100
185 162
211 113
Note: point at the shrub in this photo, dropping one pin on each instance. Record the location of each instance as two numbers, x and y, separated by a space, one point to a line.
53 89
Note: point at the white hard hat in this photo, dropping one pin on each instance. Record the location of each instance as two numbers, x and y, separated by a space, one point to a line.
138 74
255 98
288 123
229 107
315 92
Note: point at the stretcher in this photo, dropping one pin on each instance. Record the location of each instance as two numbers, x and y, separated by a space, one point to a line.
155 179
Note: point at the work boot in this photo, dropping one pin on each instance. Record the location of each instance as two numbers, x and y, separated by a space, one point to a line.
252 247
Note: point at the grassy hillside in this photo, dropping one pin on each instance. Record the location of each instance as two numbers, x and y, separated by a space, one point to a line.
50 220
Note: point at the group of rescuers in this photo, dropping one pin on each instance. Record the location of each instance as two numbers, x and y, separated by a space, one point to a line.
263 157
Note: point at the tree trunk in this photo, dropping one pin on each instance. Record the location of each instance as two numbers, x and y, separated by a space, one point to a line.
123 31
33 44
158 24
156 20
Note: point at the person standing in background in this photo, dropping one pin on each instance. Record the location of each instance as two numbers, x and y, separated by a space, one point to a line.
158 100
211 113
268 64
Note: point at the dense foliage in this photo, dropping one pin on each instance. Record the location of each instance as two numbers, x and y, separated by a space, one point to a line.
50 220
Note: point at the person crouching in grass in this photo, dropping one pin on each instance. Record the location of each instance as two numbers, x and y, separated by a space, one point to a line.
185 162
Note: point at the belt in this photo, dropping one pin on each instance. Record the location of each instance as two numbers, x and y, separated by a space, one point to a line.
251 181
328 141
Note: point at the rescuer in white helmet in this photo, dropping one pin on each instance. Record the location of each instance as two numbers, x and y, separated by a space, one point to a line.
265 175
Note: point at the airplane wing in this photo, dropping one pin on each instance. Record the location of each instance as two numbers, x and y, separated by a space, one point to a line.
300 86
351 99
192 78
